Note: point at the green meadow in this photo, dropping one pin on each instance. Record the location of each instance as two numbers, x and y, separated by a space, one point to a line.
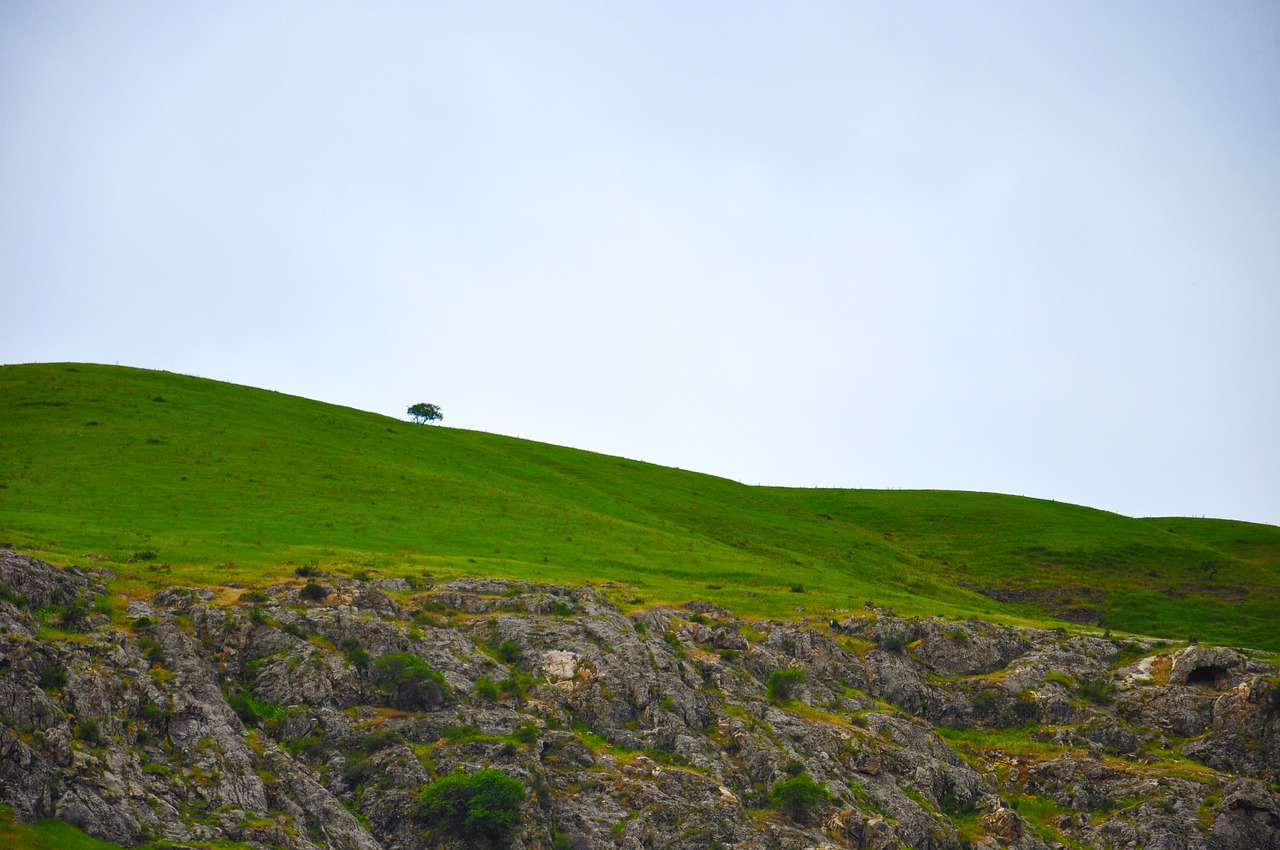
170 479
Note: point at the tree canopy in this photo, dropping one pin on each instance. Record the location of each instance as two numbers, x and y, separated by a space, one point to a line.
481 805
798 796
411 683
423 412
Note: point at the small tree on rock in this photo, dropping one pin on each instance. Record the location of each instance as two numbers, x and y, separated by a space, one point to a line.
785 684
482 806
798 796
412 684
423 412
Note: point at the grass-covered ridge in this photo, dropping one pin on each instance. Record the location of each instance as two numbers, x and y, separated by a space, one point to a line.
226 483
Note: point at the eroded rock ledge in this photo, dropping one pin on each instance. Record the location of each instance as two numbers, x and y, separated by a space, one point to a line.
648 731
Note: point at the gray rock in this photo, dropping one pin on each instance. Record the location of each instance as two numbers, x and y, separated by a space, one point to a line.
626 732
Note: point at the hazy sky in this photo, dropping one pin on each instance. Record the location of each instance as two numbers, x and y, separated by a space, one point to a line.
1031 248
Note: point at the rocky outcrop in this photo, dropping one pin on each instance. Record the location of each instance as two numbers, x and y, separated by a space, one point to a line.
274 720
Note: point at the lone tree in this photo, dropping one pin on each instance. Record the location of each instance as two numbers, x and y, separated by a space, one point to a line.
423 412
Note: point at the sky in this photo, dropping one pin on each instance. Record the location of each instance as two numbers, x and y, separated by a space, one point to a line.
1027 248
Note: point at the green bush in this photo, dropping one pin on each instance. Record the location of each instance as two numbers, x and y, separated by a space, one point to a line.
88 732
356 772
379 740
243 707
514 687
309 746
313 592
986 700
1098 693
461 732
72 618
295 630
783 685
53 679
486 688
509 652
483 805
411 683
892 643
799 796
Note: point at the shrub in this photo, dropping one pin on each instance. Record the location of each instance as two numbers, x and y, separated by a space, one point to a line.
950 806
1098 693
799 796
243 707
253 596
411 683
313 592
356 772
310 746
783 685
461 732
483 805
793 767
152 651
295 630
88 732
487 688
380 740
986 700
1025 709
526 734
306 572
358 657
729 655
53 679
509 652
73 616
153 713
140 623
514 687
892 643
13 597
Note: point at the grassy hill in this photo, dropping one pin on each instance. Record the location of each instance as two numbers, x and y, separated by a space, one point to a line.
198 481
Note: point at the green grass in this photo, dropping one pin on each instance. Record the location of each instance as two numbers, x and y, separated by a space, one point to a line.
208 482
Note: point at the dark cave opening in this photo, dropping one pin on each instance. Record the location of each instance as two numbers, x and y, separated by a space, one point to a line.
1209 676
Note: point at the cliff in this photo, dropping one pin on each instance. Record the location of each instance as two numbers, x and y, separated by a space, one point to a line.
314 713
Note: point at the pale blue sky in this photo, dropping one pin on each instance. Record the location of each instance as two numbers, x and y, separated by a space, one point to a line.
1022 247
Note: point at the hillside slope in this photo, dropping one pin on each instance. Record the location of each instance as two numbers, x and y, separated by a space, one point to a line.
205 482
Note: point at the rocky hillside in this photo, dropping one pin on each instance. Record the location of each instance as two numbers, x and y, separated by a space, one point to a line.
329 712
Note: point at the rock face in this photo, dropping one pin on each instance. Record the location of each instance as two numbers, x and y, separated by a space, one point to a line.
292 722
